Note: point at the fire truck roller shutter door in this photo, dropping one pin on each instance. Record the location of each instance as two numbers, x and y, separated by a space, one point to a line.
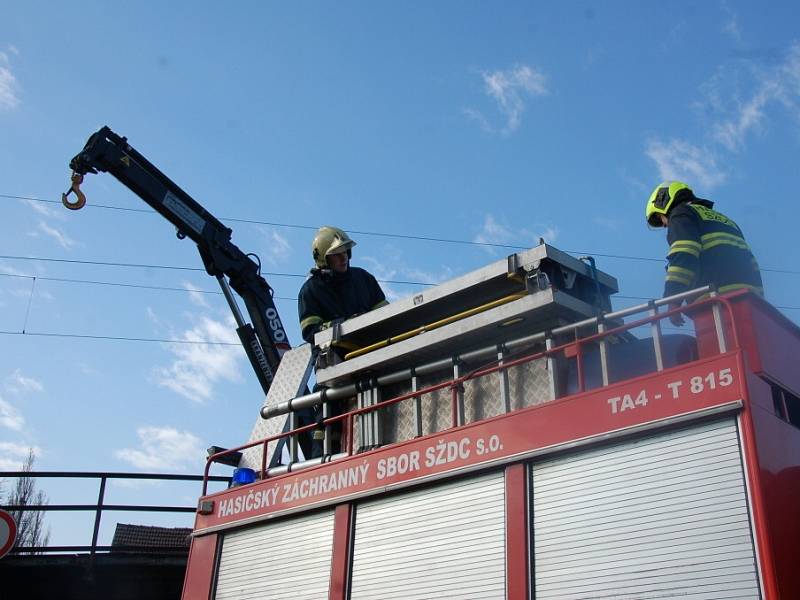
662 515
443 541
272 561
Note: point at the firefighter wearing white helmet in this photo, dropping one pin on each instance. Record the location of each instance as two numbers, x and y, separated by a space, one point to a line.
335 290
330 241
705 246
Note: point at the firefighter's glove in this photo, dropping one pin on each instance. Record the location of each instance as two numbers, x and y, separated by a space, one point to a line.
676 318
329 324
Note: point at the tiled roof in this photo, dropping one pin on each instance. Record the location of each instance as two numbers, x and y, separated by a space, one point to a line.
149 537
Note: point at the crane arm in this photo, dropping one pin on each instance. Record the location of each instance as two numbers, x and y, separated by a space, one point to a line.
265 340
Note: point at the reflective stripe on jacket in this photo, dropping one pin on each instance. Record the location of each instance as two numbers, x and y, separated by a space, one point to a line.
707 248
326 296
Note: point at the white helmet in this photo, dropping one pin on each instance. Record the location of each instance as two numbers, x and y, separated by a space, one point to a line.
329 240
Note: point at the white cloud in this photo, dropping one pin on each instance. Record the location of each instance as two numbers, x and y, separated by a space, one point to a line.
20 450
382 272
500 232
392 266
679 159
10 417
197 367
61 238
21 292
606 223
163 448
427 276
750 115
741 101
278 248
88 370
548 234
9 88
9 270
493 232
18 383
13 456
197 297
45 210
153 317
731 23
737 102
509 89
10 464
475 115
136 484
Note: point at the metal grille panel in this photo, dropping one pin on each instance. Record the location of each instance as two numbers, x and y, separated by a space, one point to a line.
287 559
288 381
659 517
441 542
529 384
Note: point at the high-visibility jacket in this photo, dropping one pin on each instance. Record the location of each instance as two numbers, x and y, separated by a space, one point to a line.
707 248
327 295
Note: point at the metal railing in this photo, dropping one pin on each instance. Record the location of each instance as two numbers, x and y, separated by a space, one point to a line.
100 506
501 362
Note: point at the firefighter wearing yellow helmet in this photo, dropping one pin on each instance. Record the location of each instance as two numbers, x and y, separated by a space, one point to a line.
705 246
335 290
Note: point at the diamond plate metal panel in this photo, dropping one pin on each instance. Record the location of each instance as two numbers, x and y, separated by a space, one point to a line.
398 421
529 385
292 375
482 398
437 411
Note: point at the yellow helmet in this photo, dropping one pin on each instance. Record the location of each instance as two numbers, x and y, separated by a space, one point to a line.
329 240
662 200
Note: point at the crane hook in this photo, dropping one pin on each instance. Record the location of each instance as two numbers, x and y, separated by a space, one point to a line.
77 180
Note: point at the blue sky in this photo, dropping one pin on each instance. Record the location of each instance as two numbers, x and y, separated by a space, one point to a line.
478 122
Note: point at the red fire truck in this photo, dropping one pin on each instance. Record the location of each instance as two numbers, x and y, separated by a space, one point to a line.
599 458
507 435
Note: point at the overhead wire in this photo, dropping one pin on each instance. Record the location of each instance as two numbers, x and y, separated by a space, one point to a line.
270 274
118 338
171 267
125 285
381 234
218 293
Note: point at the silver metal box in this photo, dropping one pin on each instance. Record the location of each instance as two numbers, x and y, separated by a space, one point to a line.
528 292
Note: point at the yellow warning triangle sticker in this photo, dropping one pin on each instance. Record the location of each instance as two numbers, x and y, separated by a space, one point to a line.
126 161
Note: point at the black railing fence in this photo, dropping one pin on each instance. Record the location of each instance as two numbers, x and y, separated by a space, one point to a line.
99 507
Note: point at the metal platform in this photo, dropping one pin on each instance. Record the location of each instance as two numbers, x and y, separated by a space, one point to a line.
555 289
535 312
472 289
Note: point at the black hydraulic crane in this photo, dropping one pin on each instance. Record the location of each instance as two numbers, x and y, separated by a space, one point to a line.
265 341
